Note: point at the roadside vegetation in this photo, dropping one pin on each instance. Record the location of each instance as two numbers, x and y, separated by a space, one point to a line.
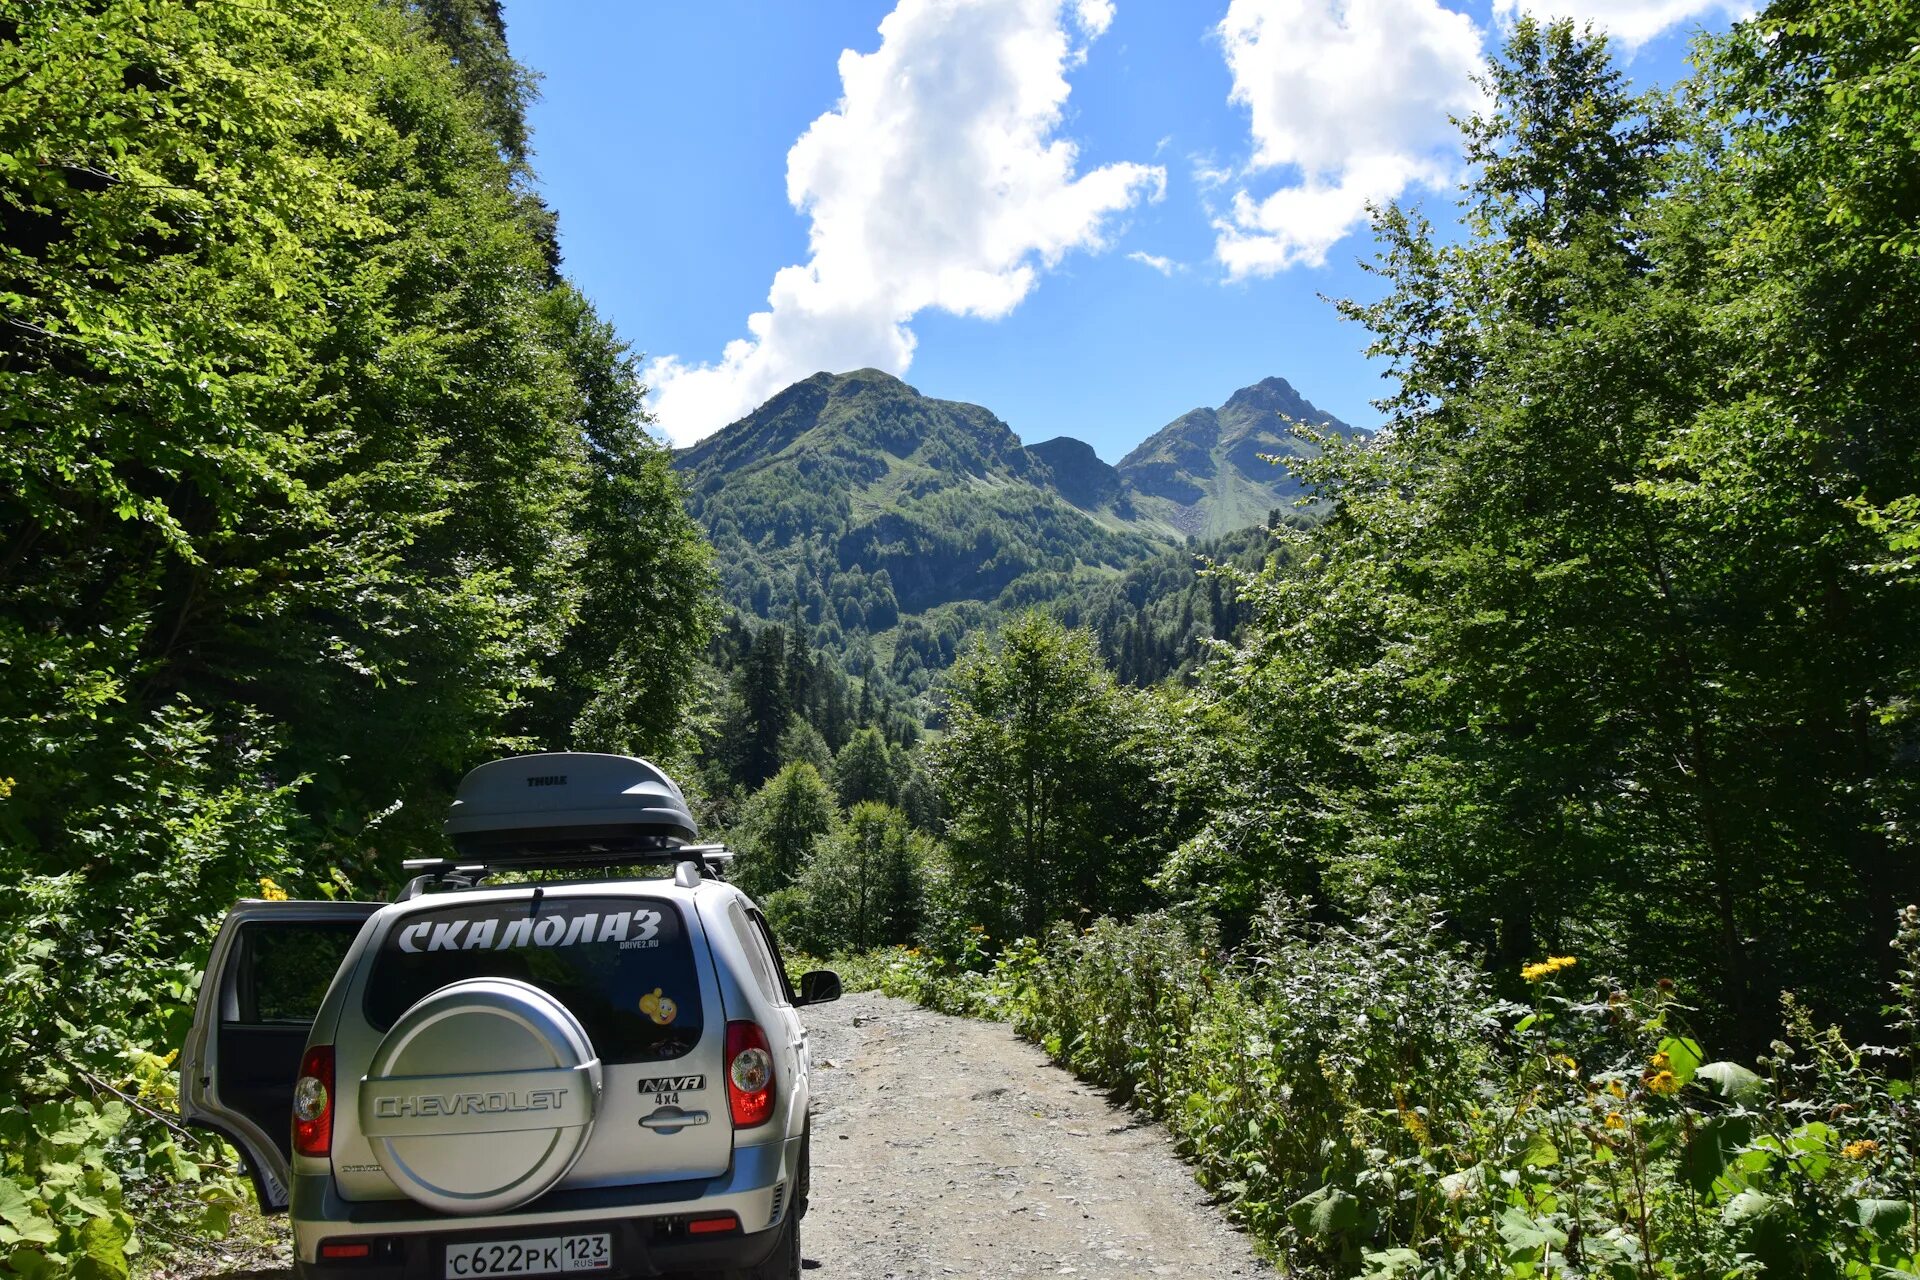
1520 893
1367 1104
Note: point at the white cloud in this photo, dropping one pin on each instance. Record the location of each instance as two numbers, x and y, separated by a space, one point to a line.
1352 97
1094 16
1165 266
1207 174
937 181
1633 22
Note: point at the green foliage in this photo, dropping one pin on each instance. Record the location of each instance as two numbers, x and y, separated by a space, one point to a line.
1162 617
856 504
1607 642
318 486
101 964
780 827
1368 1108
864 771
802 744
1046 805
860 889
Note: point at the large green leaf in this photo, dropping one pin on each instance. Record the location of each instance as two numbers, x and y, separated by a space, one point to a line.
1732 1081
1710 1161
30 1264
1324 1213
1683 1057
1541 1153
1883 1219
15 1208
1813 1145
1527 1236
1762 1224
103 1251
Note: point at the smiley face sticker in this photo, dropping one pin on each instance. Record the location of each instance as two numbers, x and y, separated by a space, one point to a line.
658 1007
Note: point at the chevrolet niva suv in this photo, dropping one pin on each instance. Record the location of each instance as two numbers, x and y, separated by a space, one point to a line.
589 1074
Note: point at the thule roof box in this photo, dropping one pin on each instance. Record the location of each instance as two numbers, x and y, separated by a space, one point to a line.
568 808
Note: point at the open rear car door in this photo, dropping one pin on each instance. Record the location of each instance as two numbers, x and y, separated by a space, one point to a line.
270 967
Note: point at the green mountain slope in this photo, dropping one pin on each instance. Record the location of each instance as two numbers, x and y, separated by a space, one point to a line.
1203 473
854 498
896 525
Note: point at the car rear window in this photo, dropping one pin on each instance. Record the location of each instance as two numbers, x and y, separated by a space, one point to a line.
623 966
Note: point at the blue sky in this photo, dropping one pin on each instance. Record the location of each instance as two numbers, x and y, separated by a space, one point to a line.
1088 215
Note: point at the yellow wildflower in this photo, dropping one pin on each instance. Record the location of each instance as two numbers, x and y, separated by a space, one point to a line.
1860 1150
6 788
1615 1120
1661 1062
1664 1083
1547 968
1613 1087
1416 1124
271 891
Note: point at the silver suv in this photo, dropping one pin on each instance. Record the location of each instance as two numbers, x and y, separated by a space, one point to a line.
590 1074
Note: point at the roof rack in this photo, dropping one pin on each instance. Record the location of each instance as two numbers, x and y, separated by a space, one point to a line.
709 861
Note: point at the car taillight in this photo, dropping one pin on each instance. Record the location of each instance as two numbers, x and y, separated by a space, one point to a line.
313 1103
749 1074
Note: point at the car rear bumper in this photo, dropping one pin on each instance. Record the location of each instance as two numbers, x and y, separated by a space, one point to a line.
642 1247
647 1221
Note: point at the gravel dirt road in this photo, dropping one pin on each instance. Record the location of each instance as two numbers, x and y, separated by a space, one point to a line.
948 1147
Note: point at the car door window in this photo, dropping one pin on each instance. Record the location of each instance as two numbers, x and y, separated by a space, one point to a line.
773 954
758 957
283 973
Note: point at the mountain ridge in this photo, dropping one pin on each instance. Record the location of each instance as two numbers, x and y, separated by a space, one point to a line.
857 501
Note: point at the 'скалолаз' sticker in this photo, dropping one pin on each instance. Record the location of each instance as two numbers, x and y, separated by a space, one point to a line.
631 929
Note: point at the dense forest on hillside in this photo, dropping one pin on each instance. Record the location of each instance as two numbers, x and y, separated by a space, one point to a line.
1468 874
855 499
320 483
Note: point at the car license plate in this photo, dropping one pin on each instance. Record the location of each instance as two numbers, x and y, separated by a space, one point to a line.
549 1256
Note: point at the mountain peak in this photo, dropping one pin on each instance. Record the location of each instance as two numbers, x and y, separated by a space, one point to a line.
842 476
1078 472
1277 396
1208 468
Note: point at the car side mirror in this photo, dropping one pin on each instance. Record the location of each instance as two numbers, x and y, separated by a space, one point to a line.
818 986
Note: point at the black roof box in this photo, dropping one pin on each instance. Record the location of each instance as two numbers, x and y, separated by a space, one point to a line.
567 806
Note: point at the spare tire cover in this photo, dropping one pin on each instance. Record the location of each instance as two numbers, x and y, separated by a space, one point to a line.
481 1096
